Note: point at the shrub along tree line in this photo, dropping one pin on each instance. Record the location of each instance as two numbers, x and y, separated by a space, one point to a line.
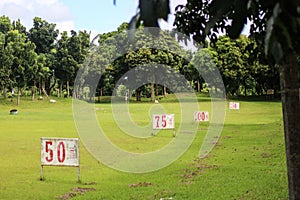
44 60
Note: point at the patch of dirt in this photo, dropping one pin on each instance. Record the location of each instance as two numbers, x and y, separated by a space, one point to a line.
217 144
74 192
266 155
195 169
140 184
210 155
190 174
90 183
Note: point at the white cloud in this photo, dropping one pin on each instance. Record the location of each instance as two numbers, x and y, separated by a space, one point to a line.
65 26
53 11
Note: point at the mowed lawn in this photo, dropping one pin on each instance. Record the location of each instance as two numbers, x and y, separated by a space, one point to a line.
248 162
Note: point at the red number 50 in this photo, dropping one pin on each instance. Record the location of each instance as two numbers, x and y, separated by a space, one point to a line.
61 151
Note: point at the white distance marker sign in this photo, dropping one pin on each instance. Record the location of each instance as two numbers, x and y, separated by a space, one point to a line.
164 121
201 116
234 105
60 151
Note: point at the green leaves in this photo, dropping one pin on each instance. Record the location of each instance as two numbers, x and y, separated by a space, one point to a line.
162 9
218 10
234 11
275 23
150 11
279 34
43 34
239 18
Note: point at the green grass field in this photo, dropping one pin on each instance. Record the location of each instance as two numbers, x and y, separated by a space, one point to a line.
248 162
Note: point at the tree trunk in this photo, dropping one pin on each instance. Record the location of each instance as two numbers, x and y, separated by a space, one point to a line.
138 94
99 95
43 89
92 93
12 95
165 91
152 91
198 86
60 90
4 92
245 85
291 116
68 89
40 87
33 91
19 97
51 86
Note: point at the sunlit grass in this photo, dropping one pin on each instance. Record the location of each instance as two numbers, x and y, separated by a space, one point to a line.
247 163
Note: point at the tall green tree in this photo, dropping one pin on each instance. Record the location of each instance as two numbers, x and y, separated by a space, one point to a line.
17 25
44 35
5 55
70 55
23 64
206 65
5 24
163 50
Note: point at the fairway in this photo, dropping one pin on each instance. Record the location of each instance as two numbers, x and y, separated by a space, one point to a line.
248 162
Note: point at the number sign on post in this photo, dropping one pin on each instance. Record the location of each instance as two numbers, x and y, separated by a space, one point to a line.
201 116
59 152
163 121
234 106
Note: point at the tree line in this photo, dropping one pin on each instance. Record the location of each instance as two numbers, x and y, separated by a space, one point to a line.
38 60
44 60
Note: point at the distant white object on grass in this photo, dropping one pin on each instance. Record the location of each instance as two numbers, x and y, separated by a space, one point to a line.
40 98
13 111
52 101
156 101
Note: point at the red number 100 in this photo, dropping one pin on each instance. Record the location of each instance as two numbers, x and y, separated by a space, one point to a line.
201 116
61 151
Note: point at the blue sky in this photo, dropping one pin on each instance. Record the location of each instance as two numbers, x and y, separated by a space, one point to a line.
98 16
102 16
